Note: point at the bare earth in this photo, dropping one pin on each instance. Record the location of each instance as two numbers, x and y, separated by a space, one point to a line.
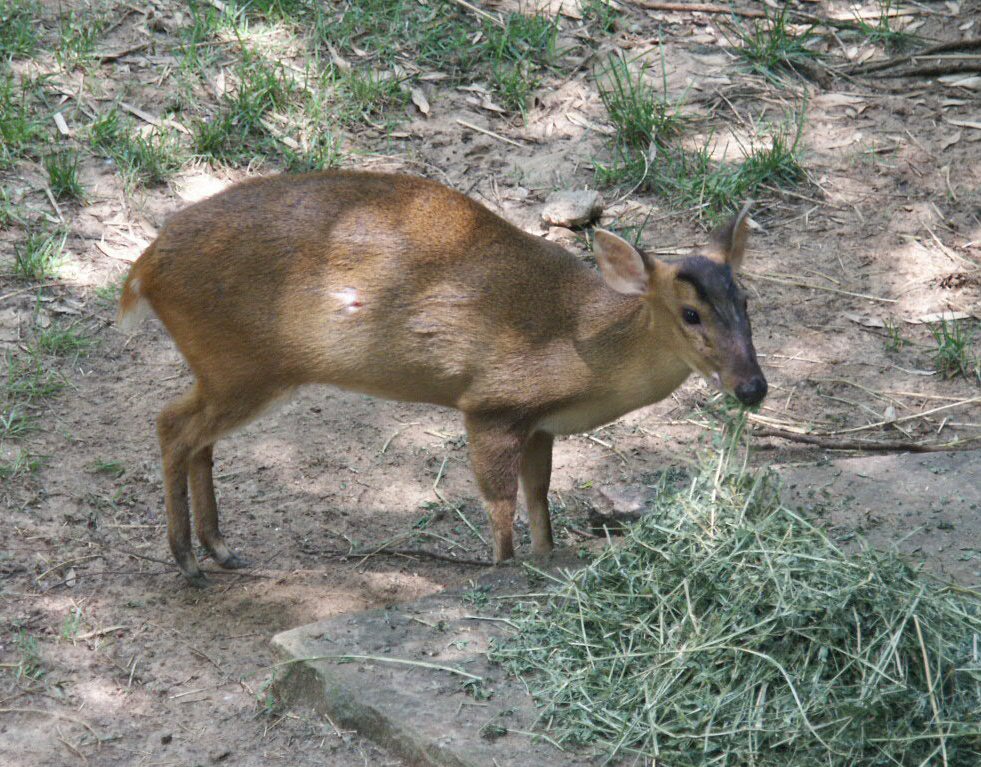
133 667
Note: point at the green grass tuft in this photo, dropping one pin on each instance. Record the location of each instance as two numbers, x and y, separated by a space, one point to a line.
63 341
39 255
641 115
26 384
954 354
23 463
19 28
62 168
20 127
771 47
882 32
78 33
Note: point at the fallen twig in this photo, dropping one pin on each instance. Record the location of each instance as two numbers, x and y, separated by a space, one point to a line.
490 133
700 8
423 553
894 445
828 288
875 66
934 70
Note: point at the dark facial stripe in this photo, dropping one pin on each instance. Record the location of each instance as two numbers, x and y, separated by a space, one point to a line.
715 286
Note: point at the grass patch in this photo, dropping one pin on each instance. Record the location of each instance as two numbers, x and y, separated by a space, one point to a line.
240 129
727 630
63 341
601 14
78 32
62 168
23 463
111 468
883 32
771 47
362 95
642 116
954 355
442 36
646 153
143 157
26 384
19 27
29 663
20 129
39 255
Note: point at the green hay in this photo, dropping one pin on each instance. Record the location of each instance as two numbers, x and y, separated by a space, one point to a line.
729 631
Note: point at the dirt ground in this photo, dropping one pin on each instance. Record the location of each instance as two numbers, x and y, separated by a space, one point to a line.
108 657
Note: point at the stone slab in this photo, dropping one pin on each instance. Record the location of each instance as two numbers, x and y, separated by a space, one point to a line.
422 715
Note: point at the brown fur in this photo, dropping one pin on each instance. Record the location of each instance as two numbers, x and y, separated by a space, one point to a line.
400 287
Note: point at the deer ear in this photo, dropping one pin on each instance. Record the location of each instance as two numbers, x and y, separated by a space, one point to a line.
621 264
728 243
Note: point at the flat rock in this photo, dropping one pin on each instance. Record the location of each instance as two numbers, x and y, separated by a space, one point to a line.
572 208
394 693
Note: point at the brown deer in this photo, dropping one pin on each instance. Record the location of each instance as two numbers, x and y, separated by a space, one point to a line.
402 288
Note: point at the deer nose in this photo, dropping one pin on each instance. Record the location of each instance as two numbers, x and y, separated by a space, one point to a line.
752 391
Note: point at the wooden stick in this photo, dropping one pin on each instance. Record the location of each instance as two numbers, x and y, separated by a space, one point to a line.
957 45
828 288
934 70
699 8
490 133
413 553
895 445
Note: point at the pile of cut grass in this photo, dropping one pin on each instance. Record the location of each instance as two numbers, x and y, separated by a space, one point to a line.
727 631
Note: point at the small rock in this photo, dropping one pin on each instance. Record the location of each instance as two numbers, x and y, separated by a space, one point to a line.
561 235
626 499
571 208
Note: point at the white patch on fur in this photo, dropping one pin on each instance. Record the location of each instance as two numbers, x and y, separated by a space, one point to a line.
128 322
349 300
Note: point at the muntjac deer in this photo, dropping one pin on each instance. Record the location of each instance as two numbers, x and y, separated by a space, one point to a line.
402 288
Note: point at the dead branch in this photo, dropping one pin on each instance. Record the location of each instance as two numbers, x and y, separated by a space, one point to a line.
893 445
874 66
933 70
699 8
423 553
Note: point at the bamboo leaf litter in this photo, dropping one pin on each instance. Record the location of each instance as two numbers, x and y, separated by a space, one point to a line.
727 630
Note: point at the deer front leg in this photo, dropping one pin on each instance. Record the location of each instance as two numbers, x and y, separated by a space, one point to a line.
495 453
536 471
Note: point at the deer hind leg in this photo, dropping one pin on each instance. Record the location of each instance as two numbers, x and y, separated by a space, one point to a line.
495 452
536 472
206 510
187 429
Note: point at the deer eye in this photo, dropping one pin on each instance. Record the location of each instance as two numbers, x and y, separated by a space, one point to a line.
691 316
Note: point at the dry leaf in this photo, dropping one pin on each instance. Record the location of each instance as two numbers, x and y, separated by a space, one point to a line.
965 123
962 81
420 100
945 316
950 140
838 99
866 320
62 126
